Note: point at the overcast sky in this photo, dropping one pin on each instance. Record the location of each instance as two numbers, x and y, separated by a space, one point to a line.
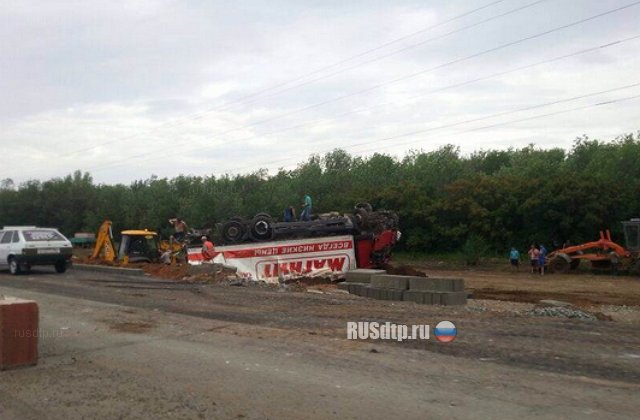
129 89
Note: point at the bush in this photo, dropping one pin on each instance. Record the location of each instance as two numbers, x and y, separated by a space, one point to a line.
473 249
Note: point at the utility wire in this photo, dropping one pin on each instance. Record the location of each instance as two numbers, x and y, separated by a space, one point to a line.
458 123
423 94
412 133
366 52
413 75
401 50
422 72
201 114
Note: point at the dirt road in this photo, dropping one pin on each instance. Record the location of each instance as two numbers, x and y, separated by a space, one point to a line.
127 347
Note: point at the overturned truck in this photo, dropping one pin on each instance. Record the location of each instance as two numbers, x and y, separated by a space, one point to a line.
262 248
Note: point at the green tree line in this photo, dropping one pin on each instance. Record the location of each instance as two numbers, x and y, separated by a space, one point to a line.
443 198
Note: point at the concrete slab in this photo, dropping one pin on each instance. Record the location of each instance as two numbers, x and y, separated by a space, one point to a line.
453 298
440 284
389 281
394 294
416 296
362 275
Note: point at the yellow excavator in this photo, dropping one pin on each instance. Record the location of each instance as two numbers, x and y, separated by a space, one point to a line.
136 245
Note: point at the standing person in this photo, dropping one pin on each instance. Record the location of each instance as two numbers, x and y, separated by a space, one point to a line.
533 258
208 249
514 258
289 214
305 216
180 228
541 259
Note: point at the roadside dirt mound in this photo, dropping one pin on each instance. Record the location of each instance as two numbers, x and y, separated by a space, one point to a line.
404 270
171 272
583 300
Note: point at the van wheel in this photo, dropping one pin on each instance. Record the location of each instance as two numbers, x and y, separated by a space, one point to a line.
14 267
61 267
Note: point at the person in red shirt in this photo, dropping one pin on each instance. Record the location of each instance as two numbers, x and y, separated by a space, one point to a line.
208 251
533 258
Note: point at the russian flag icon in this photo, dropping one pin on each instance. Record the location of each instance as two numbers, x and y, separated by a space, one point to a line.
445 331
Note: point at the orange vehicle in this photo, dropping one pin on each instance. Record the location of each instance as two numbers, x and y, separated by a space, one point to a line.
604 254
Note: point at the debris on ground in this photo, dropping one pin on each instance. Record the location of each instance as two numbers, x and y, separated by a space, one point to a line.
562 312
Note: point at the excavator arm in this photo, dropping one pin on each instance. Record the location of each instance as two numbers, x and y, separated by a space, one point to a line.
104 243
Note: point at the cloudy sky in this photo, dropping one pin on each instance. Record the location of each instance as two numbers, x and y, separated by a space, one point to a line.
129 89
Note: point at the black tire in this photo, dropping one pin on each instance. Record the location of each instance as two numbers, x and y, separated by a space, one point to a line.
366 206
262 227
559 265
575 263
237 219
14 266
61 267
233 231
361 217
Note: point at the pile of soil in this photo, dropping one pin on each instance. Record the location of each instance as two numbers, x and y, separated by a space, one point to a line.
403 270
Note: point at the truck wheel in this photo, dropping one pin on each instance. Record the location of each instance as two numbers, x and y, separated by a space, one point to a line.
14 267
366 206
575 263
362 218
560 265
233 231
261 229
61 267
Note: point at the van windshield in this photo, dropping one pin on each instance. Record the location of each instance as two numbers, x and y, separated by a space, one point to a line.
42 235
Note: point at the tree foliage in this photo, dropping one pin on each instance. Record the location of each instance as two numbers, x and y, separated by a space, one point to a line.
446 201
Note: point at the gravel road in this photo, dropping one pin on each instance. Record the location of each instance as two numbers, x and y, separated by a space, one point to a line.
134 347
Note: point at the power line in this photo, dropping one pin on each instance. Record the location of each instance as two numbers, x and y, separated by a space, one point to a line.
413 75
427 93
416 74
412 133
449 125
535 117
367 52
260 92
422 72
412 46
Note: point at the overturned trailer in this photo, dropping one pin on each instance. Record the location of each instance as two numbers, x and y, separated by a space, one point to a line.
264 249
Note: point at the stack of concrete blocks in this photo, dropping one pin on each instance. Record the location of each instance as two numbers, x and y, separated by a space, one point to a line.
376 284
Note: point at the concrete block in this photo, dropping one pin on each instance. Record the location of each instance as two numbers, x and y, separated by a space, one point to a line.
378 293
416 296
394 294
362 275
424 283
439 284
343 285
18 332
436 298
454 298
388 281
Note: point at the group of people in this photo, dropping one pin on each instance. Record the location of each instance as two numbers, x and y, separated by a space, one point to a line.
290 211
208 249
537 258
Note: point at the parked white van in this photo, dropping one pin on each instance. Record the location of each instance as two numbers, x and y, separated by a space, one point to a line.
24 246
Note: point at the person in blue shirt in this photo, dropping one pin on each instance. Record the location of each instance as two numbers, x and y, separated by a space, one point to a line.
542 256
305 216
514 258
289 214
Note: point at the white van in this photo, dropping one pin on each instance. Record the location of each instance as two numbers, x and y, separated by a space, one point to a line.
24 246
